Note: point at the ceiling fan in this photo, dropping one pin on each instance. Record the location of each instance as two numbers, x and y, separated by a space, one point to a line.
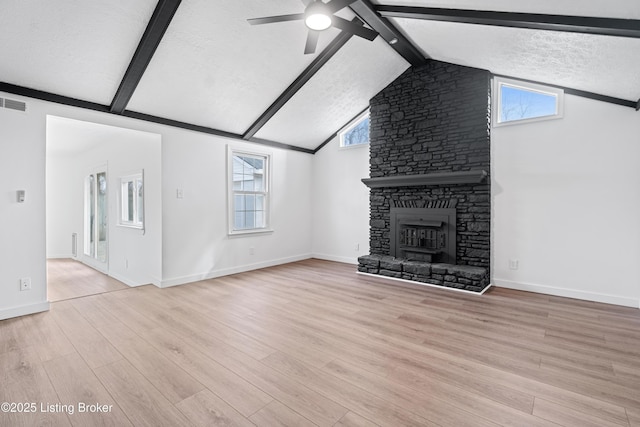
318 16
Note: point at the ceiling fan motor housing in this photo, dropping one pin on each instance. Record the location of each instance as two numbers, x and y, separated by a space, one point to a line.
317 16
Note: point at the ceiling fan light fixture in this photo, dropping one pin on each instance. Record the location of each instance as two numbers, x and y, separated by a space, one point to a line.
317 17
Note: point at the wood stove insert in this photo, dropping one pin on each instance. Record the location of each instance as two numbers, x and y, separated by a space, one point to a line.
424 234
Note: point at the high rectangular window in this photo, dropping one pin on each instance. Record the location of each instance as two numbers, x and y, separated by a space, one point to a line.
248 191
356 133
520 102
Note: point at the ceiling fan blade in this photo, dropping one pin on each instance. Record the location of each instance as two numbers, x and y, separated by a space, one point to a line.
336 5
352 28
312 42
307 2
272 19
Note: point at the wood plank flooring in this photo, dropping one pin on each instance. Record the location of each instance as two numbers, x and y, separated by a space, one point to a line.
67 279
314 344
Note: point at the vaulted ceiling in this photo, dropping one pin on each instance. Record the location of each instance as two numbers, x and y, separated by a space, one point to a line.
198 64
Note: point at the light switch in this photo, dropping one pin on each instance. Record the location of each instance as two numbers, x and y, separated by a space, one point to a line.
20 194
179 193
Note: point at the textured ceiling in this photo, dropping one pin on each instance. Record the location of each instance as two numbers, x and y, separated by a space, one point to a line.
223 72
79 49
213 69
340 91
600 64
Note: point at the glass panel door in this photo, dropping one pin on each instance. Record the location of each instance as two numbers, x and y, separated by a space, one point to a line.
101 212
95 222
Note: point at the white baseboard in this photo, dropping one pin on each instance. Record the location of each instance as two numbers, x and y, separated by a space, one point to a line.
126 280
65 256
569 293
232 270
24 310
89 262
343 259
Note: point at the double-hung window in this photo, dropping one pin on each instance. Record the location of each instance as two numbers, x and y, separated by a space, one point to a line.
248 192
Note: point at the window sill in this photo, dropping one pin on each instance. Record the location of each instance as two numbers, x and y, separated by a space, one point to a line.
351 147
135 227
498 124
240 233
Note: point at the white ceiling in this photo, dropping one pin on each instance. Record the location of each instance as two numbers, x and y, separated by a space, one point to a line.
223 72
340 91
213 69
79 49
599 64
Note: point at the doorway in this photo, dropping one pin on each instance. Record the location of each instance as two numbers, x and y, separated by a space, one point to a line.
91 248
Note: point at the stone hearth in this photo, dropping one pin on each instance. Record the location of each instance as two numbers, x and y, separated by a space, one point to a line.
453 276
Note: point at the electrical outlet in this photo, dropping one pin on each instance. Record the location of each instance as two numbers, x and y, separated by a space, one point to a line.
252 250
356 247
179 193
25 283
126 264
514 264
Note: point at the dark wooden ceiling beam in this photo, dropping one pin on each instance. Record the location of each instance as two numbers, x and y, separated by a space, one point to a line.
576 24
320 60
365 11
211 131
160 20
78 103
51 97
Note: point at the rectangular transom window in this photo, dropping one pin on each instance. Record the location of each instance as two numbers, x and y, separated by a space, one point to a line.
248 192
132 200
356 133
521 102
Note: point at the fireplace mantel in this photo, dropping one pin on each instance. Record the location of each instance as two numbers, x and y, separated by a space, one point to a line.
439 178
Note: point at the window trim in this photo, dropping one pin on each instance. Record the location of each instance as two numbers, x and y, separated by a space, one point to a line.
124 180
499 82
352 124
231 152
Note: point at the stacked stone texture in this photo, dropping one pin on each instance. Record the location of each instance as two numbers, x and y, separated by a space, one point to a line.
452 276
435 118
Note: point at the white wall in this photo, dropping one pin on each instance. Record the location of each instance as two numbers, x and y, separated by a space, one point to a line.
74 148
566 204
340 203
194 240
22 225
64 205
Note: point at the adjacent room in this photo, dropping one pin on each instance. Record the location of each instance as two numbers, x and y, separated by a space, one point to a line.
320 213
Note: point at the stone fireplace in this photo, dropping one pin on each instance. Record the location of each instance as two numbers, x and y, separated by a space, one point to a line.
430 209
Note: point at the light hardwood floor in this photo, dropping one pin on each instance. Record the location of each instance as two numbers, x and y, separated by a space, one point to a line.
313 343
67 278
